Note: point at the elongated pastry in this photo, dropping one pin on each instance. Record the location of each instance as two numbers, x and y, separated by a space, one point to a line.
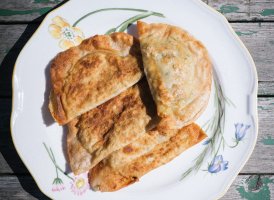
130 163
178 70
90 74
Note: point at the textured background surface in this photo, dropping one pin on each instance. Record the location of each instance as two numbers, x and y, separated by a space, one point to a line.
253 21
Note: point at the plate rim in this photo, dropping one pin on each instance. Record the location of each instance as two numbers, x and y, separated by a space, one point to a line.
253 94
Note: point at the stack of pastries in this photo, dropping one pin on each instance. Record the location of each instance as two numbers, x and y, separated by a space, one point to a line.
130 104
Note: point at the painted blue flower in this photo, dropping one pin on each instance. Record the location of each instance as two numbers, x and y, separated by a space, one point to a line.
218 164
240 131
207 141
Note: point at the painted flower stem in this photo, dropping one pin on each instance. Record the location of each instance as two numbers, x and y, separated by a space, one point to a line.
109 9
235 145
51 155
216 126
53 158
131 20
123 26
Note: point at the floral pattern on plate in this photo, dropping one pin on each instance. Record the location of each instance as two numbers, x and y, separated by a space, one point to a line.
78 184
218 164
215 127
68 36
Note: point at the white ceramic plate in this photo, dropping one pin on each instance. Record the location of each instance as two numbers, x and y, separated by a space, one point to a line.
221 155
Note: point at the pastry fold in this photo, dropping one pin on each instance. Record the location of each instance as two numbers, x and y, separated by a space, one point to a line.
178 70
112 125
90 74
129 164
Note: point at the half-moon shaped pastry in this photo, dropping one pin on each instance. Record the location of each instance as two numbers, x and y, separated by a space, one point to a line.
156 148
90 74
178 70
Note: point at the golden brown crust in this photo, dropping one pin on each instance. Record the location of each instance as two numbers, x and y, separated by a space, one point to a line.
156 148
79 158
117 122
88 75
178 70
110 126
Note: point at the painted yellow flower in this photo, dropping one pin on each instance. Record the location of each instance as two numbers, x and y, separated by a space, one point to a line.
69 36
80 184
